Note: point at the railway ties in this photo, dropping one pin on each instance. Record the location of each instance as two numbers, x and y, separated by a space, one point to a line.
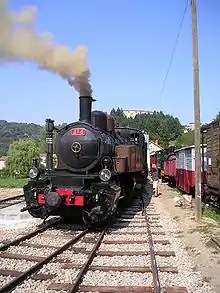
109 260
10 201
122 258
13 251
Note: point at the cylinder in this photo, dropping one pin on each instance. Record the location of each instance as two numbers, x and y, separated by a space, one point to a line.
85 108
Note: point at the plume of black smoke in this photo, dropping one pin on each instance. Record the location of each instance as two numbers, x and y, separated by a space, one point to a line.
20 42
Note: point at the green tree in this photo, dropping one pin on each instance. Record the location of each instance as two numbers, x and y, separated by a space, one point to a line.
20 157
11 131
185 139
120 118
217 118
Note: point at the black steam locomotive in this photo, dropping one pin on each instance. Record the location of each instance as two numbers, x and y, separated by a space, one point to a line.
97 165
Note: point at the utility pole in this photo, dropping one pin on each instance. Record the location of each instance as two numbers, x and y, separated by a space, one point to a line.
198 211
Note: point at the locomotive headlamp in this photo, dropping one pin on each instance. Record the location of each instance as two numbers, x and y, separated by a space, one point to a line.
105 174
33 173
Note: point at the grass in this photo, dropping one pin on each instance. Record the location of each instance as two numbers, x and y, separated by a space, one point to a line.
11 182
207 226
212 213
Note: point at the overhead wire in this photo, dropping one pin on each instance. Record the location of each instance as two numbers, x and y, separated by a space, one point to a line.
174 49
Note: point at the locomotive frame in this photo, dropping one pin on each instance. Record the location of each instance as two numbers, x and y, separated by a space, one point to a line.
98 165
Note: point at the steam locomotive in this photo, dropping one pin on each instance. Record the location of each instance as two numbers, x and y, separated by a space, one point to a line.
98 164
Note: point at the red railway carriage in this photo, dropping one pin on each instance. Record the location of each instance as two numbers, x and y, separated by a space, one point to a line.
170 169
185 168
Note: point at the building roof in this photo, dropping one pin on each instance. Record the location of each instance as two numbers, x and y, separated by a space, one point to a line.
155 144
189 147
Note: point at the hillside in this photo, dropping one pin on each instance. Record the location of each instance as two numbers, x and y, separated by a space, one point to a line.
10 131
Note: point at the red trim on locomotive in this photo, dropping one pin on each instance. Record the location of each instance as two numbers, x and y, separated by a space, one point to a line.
78 199
78 131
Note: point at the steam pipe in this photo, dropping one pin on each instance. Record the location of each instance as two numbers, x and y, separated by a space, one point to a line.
49 143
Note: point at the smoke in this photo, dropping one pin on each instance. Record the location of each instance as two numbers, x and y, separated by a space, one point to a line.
20 42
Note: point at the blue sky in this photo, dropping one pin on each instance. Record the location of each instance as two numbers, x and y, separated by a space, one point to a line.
129 44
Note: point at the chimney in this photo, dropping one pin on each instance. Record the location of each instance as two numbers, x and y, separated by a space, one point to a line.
85 108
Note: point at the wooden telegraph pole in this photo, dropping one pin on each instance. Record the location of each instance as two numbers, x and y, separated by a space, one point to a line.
198 199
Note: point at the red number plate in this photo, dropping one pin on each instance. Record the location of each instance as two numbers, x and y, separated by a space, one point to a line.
78 131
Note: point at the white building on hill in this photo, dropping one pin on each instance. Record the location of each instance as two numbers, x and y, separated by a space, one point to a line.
133 113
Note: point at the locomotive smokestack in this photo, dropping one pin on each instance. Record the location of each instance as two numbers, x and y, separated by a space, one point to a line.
85 108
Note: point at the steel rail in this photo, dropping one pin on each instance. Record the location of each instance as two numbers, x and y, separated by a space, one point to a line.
18 280
86 265
157 286
41 229
11 198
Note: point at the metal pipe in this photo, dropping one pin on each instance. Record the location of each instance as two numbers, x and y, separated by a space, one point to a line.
49 143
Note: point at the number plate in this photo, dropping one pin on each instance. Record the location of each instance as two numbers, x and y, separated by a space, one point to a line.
78 131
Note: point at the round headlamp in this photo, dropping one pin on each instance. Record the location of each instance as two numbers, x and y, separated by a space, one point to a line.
105 174
33 173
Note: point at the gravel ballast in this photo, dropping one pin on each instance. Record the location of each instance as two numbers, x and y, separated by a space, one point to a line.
186 276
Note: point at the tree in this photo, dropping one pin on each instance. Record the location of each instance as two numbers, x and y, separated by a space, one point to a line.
11 131
217 118
185 139
120 118
20 157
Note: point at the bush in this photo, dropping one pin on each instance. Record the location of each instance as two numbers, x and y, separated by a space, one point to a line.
20 158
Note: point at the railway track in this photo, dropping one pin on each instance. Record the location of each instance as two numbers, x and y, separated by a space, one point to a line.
10 201
83 261
16 277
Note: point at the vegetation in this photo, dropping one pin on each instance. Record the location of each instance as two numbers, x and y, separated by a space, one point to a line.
20 158
11 182
11 131
212 213
217 118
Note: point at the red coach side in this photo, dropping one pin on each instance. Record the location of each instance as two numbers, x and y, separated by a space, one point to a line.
170 169
185 169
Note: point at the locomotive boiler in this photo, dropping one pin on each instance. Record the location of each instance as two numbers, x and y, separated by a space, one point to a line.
97 165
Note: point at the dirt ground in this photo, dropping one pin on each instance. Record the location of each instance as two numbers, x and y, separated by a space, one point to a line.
196 237
8 192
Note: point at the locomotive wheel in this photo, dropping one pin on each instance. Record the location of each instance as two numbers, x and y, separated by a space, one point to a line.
36 212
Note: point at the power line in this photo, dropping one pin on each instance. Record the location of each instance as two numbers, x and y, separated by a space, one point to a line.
174 49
